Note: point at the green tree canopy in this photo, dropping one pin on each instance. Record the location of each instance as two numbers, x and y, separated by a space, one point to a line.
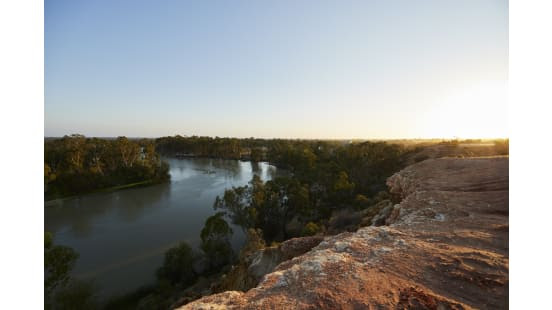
76 164
58 262
177 265
215 242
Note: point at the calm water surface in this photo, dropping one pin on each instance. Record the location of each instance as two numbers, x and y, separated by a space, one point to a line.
121 236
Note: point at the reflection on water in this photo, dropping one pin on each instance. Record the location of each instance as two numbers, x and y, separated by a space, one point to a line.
121 236
76 215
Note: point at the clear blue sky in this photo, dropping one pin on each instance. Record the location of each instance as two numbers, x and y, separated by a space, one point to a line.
297 69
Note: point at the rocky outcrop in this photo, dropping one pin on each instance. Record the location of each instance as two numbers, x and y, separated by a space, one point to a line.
444 246
250 271
265 260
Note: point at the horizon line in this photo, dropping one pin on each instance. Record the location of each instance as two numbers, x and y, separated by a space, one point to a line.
287 138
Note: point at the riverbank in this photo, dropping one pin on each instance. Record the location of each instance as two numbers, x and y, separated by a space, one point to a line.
55 198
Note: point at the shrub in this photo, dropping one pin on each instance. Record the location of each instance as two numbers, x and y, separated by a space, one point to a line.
178 265
58 263
362 202
311 229
215 242
254 242
343 220
76 295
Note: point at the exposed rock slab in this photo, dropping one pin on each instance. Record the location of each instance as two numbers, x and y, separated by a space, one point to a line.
264 261
249 272
445 247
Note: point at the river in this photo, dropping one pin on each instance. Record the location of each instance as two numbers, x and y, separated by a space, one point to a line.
121 236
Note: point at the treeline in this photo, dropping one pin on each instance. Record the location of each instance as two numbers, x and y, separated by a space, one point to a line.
325 177
228 148
76 164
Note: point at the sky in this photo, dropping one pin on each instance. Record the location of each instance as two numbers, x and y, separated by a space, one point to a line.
277 69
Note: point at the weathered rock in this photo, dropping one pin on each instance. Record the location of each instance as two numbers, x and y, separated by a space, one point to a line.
446 247
248 273
380 218
374 214
266 260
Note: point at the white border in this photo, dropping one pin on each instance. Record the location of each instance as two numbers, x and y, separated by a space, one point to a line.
21 154
530 186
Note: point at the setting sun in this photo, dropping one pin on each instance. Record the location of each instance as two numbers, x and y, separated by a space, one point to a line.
476 111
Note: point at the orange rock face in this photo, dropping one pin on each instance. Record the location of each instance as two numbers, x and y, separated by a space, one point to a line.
445 246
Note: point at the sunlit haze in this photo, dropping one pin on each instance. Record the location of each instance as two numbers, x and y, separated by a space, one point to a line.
286 69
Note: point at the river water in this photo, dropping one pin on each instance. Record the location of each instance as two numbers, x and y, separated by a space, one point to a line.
121 236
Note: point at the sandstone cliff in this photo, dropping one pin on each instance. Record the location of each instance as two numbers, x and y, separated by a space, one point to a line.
444 246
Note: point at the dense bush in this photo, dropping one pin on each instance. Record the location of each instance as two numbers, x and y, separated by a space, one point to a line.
311 229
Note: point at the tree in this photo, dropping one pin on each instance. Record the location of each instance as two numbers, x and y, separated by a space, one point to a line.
58 262
253 243
76 295
256 154
215 242
128 150
235 202
49 176
342 188
75 151
96 151
177 266
268 206
361 202
285 198
310 229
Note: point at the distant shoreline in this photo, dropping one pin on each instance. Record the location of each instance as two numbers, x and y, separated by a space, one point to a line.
106 189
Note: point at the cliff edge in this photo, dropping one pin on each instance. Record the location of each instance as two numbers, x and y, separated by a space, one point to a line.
444 246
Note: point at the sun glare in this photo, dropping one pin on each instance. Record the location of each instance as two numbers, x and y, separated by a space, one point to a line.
477 111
